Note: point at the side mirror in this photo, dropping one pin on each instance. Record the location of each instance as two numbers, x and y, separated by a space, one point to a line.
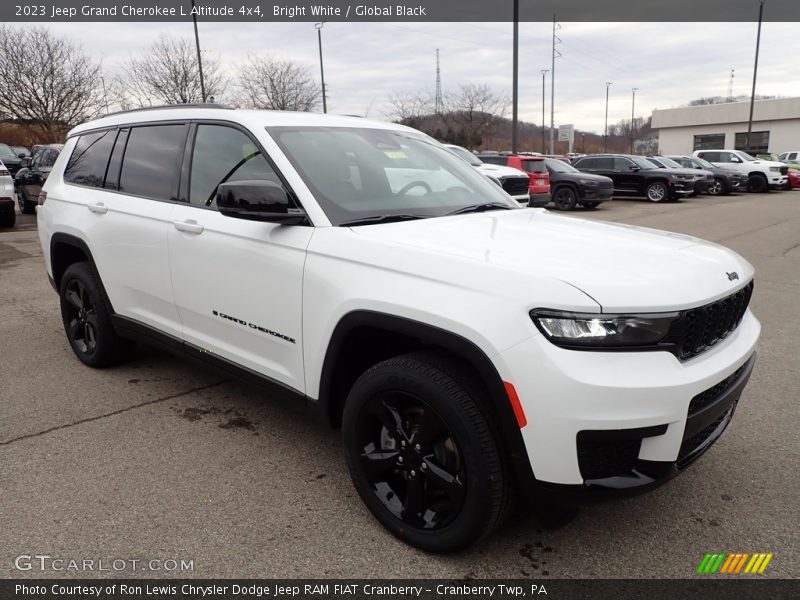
258 200
25 162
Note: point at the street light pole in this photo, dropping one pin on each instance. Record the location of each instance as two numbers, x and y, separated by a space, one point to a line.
199 58
755 73
633 112
605 131
544 73
515 82
318 27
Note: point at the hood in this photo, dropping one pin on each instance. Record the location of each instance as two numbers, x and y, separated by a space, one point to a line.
765 163
622 267
500 171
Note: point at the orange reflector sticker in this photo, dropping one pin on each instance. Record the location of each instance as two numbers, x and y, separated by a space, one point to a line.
516 404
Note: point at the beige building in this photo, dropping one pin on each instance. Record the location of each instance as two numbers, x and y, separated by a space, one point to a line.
776 127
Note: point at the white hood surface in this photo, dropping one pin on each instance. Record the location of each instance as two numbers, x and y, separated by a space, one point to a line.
622 267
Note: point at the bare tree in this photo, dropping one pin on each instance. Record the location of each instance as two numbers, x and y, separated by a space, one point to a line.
167 74
274 84
46 82
472 114
412 109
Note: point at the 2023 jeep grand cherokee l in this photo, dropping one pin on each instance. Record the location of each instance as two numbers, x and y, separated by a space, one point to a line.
367 274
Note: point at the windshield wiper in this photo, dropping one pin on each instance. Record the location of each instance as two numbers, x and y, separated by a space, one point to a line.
381 219
476 208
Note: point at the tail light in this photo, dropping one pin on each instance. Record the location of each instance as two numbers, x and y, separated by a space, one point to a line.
4 172
42 197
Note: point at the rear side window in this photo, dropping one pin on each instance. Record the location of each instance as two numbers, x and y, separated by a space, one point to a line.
710 156
586 163
223 154
150 165
87 164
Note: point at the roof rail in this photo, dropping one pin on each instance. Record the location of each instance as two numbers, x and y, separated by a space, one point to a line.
168 106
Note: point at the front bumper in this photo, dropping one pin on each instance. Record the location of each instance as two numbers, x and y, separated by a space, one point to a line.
595 194
777 180
635 406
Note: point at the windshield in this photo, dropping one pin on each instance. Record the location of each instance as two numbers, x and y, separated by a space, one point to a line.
6 151
361 173
703 163
559 166
642 163
668 162
466 155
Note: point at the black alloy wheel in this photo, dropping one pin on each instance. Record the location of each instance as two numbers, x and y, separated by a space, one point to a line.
758 184
565 198
421 454
87 319
26 207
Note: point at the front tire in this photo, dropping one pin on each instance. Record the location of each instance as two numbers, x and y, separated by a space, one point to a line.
758 184
718 188
87 319
565 198
657 192
422 455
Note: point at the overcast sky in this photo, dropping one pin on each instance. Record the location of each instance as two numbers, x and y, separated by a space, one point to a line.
670 63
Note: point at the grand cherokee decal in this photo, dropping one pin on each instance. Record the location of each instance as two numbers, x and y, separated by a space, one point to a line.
253 326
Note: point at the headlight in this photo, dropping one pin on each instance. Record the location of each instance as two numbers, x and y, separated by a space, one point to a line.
775 169
603 331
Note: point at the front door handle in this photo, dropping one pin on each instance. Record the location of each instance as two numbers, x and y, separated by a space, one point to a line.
188 226
98 208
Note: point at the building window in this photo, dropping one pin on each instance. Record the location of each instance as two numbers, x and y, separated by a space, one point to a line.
759 142
709 141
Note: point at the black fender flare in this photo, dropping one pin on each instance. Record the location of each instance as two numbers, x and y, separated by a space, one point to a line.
498 401
66 239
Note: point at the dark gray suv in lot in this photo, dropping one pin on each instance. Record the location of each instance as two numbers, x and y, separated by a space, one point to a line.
725 180
636 176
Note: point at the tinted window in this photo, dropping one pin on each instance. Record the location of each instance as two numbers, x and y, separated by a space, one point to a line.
605 163
759 142
87 164
623 164
112 173
47 158
151 160
586 163
494 160
223 154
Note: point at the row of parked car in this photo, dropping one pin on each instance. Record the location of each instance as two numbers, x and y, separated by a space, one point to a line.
22 175
589 180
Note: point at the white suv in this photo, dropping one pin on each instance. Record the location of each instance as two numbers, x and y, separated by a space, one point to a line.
469 348
762 174
516 183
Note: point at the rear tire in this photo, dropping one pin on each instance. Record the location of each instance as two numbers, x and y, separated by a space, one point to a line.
758 184
8 218
87 318
565 198
422 454
26 207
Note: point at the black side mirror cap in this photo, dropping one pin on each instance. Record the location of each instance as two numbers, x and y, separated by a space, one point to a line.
258 200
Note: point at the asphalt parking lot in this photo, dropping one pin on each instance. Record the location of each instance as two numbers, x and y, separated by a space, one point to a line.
159 459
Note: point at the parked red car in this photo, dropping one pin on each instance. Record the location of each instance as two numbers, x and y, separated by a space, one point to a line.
533 165
794 179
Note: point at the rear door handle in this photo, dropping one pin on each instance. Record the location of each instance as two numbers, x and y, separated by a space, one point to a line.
188 226
98 208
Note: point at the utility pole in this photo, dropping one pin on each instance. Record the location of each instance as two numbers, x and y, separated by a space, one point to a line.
730 85
199 58
755 73
515 83
556 40
437 103
605 131
544 73
318 27
633 109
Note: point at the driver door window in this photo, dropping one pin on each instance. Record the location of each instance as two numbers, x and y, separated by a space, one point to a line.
223 154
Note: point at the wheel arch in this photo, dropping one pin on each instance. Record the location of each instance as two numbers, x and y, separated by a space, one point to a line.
349 353
67 249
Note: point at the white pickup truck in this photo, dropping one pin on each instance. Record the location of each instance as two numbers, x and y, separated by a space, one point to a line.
763 175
